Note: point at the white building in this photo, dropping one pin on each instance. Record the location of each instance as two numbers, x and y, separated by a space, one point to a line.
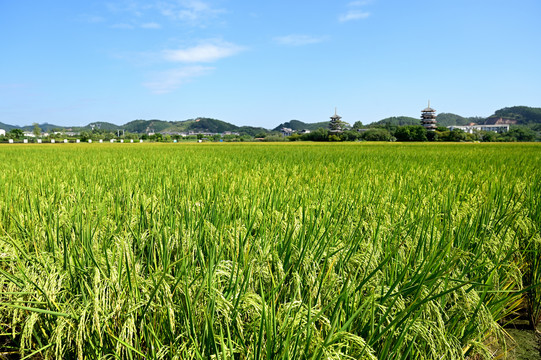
2 132
471 128
286 131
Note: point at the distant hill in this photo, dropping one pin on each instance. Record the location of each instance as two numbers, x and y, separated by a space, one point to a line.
45 127
144 126
8 127
516 115
100 125
397 121
210 125
195 125
299 125
449 119
201 124
519 115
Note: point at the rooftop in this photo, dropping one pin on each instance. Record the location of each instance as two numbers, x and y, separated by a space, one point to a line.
428 108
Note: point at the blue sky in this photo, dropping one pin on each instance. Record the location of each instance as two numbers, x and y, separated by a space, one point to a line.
262 63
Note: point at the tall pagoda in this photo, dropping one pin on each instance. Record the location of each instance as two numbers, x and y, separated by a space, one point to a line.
428 118
335 125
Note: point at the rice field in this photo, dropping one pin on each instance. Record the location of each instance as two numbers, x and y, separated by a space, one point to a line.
267 251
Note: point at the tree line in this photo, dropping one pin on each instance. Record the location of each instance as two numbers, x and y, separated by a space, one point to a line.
417 133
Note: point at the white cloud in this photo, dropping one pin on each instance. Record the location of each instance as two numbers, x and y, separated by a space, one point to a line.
170 80
209 51
298 40
355 12
151 25
203 53
354 15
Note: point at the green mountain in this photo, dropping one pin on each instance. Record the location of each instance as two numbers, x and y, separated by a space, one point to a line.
102 125
448 119
519 115
252 131
210 125
8 127
45 127
397 121
144 126
297 125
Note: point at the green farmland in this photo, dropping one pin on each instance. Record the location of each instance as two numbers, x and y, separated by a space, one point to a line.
268 251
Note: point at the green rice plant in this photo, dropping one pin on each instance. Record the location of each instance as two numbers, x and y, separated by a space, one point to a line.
275 251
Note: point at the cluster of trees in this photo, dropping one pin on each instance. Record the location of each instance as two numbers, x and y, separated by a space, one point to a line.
321 134
416 133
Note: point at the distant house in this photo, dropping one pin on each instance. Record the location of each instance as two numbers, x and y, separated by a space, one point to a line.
304 131
29 134
2 132
471 128
286 131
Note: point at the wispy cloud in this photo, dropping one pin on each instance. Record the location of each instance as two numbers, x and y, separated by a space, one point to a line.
188 10
203 53
188 62
131 7
170 80
206 52
355 11
122 26
299 40
151 25
154 14
191 12
91 19
353 15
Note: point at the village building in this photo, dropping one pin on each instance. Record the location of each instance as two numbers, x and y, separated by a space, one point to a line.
470 129
2 132
286 131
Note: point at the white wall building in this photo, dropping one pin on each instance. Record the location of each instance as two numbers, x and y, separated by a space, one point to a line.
2 132
471 128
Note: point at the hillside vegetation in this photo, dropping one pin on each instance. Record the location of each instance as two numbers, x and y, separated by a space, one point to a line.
448 119
298 125
397 121
523 115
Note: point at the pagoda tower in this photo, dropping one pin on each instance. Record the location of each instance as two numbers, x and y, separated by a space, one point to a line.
428 118
335 124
